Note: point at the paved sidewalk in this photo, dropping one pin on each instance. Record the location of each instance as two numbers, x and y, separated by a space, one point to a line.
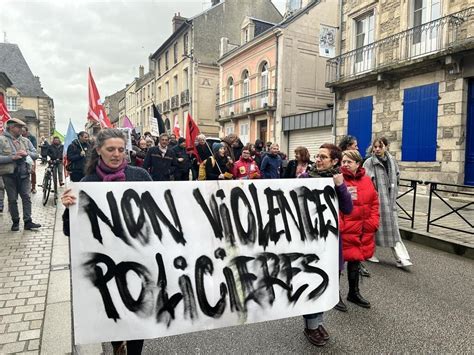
25 259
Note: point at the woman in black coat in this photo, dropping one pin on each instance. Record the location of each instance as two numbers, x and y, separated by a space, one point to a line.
299 166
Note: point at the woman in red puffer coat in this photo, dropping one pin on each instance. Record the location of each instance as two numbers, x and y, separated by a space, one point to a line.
358 228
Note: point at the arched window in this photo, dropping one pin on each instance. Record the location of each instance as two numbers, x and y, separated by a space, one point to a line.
264 77
230 84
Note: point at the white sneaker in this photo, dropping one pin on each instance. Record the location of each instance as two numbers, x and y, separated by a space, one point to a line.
404 263
373 259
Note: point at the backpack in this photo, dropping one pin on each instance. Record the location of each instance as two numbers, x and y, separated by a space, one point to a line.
202 168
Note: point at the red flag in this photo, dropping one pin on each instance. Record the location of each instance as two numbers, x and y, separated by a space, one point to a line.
4 115
96 109
192 131
176 129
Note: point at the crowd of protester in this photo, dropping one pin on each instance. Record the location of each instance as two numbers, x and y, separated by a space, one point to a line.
366 185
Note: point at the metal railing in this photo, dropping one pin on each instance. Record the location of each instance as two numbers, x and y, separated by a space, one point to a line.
411 186
435 189
262 100
175 102
185 97
429 38
166 105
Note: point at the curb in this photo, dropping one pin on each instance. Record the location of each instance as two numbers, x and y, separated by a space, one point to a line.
437 242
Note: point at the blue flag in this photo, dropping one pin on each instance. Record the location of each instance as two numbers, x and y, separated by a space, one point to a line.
70 136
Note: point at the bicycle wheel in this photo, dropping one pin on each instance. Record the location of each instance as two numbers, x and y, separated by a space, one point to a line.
55 182
46 187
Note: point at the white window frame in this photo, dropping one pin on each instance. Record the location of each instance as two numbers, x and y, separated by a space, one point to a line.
246 90
12 103
364 59
244 131
425 40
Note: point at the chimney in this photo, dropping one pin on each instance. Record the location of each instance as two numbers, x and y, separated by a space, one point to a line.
177 21
214 2
224 48
141 71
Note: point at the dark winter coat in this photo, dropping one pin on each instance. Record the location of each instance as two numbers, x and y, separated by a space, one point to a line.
213 165
290 171
161 167
358 228
185 165
271 166
76 160
203 151
55 152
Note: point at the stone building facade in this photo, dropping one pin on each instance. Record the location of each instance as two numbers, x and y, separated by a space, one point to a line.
111 105
185 65
25 98
405 71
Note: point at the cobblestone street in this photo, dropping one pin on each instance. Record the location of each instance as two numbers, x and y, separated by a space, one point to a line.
25 259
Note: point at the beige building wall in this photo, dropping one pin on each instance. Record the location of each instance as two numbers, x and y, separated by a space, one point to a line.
302 71
131 103
392 17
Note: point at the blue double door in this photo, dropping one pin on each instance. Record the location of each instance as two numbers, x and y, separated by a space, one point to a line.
469 168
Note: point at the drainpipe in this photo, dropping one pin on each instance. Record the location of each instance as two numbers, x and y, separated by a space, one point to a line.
334 116
277 91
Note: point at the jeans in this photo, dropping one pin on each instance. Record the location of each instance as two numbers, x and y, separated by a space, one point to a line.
313 321
15 186
2 193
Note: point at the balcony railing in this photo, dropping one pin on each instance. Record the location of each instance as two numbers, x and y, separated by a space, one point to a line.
185 97
262 100
166 105
430 38
175 102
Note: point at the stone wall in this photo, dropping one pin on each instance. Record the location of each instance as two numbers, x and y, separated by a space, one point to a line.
387 120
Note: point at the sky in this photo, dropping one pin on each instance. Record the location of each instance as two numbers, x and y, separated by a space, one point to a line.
61 39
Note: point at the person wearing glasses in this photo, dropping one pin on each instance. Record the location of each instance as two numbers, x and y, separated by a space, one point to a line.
328 161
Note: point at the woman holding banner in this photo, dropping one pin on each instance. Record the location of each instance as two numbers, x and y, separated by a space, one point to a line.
327 164
358 228
108 163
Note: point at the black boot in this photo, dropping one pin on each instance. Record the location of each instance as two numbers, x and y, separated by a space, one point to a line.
29 225
16 225
353 275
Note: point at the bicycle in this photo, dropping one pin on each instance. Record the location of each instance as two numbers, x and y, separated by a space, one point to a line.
50 174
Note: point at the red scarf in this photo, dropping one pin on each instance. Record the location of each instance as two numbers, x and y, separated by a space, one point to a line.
108 174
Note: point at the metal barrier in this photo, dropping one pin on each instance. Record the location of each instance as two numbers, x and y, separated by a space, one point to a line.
435 189
411 185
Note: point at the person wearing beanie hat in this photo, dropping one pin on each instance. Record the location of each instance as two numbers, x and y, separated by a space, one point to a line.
183 163
217 166
216 147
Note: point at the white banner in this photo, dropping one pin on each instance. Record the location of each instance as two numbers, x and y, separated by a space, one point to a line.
155 131
128 135
158 258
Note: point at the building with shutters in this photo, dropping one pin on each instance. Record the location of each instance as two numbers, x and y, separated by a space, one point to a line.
185 65
272 83
25 97
405 70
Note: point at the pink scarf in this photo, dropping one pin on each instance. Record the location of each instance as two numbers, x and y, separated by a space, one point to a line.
109 174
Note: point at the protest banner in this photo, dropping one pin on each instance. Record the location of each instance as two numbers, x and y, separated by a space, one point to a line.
161 258
128 135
